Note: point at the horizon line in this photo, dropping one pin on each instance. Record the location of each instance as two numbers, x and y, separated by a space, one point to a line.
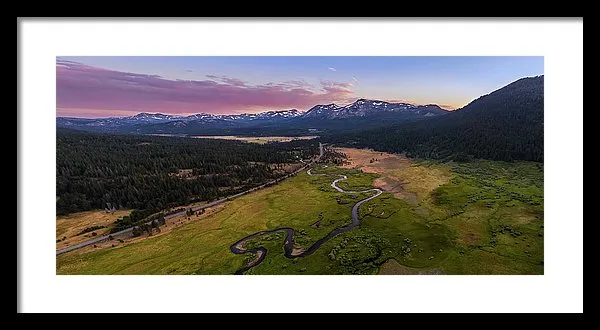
442 106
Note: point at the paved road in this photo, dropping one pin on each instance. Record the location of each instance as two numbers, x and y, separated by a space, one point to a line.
288 246
201 207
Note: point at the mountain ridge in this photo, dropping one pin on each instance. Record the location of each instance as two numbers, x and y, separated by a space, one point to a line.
394 106
364 107
357 113
505 124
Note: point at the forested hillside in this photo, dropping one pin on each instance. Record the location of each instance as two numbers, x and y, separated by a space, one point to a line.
506 124
150 173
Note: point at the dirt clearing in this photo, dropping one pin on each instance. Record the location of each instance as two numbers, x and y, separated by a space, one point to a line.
400 176
373 161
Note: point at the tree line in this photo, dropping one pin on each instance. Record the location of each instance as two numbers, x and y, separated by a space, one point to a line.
94 170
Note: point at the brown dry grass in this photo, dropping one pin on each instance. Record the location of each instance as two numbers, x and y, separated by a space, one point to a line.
261 139
518 215
422 179
524 218
471 227
392 267
70 225
361 159
171 224
399 175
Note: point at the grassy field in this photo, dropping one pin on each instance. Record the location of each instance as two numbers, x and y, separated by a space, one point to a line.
69 227
202 247
496 211
481 217
392 267
258 139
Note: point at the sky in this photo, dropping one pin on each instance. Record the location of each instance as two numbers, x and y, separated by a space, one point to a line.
111 86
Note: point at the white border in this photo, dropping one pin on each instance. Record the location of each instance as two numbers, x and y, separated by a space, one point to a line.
560 289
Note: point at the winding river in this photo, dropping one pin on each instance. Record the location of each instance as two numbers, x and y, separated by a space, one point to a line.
288 246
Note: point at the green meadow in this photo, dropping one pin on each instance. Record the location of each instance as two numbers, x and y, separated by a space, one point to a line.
487 219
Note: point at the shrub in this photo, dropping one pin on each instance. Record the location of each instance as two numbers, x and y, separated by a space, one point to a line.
136 231
89 229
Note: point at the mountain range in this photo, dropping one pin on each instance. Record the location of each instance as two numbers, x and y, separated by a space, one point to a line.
365 108
506 124
362 113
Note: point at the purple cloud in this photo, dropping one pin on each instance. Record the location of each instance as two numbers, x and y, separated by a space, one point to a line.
227 80
83 90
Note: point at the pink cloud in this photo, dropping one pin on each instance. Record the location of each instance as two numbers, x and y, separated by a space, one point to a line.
400 101
90 91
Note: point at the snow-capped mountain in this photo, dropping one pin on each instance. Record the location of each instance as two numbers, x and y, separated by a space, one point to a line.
283 114
268 115
159 117
364 107
363 111
149 117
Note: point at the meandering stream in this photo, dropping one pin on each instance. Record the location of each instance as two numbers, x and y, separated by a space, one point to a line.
288 245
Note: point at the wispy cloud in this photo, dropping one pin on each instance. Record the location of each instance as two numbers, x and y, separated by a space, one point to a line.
331 69
354 79
227 80
336 87
402 101
83 89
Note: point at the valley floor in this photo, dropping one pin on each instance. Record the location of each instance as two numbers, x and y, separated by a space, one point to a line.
481 217
257 139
